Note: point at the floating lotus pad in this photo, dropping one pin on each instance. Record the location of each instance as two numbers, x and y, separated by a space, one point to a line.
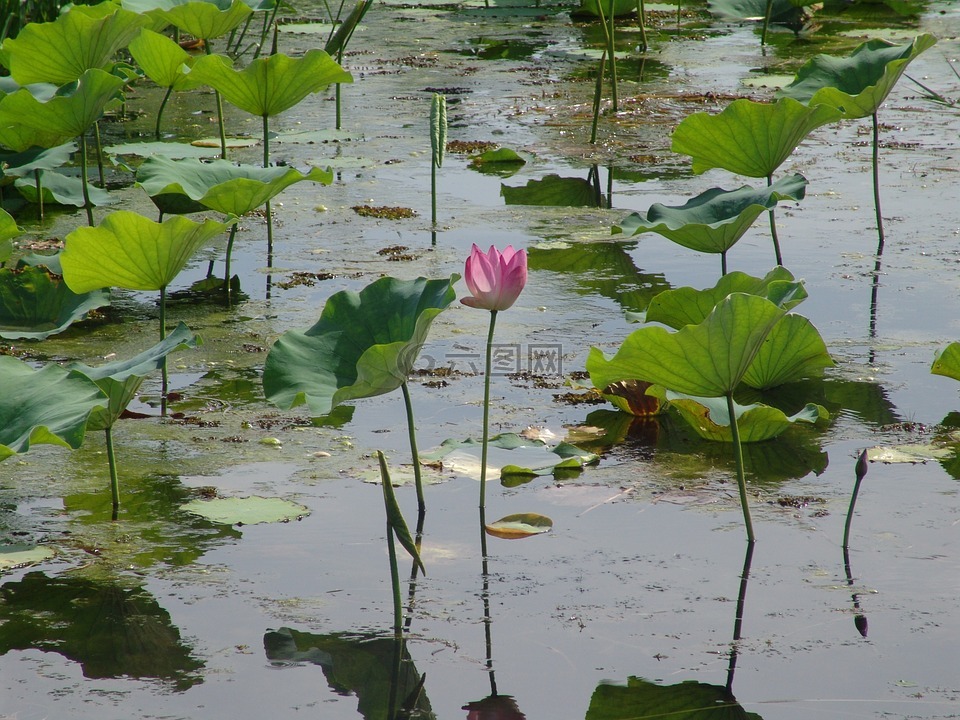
246 510
16 556
522 525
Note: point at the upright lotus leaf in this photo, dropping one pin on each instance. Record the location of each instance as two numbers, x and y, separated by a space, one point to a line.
130 251
857 85
364 344
162 60
714 220
68 114
792 351
270 85
220 185
748 138
62 51
688 306
35 303
50 405
947 361
206 19
705 360
120 380
710 417
8 226
24 163
57 189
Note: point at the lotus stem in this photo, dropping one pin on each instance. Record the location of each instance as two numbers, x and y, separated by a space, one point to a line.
415 570
861 472
216 94
738 620
486 415
641 17
87 205
485 596
614 94
598 90
414 453
773 228
39 186
876 182
163 334
741 478
163 104
433 188
226 262
679 2
723 263
395 584
96 137
112 463
766 22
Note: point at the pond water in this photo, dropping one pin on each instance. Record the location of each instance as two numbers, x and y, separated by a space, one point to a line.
643 600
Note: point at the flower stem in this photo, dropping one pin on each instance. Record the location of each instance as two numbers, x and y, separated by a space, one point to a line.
414 453
876 183
741 479
486 411
112 462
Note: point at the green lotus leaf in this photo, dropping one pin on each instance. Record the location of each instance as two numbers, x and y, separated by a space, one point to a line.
781 11
270 85
688 306
710 418
714 220
947 361
513 458
246 510
26 162
641 699
704 360
120 380
857 85
67 115
220 185
130 251
8 226
364 344
62 51
553 191
206 19
792 351
748 138
164 149
58 189
50 405
35 303
521 525
162 60
395 516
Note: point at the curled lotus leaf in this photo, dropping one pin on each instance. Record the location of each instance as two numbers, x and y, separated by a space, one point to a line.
162 60
519 526
947 361
206 19
716 219
364 344
856 85
748 138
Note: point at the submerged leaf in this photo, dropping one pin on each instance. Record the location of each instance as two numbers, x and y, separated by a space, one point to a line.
522 525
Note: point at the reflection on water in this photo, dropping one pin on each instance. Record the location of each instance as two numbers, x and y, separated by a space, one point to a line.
374 668
112 628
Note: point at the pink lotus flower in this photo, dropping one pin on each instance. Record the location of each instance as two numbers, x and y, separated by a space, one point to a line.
495 279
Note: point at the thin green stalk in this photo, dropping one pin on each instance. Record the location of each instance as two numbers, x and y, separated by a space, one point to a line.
163 104
773 228
614 94
433 190
597 92
226 272
39 185
96 137
395 584
163 334
485 596
414 453
486 417
216 94
641 17
87 205
766 22
266 27
741 478
269 209
112 463
723 263
861 472
876 182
